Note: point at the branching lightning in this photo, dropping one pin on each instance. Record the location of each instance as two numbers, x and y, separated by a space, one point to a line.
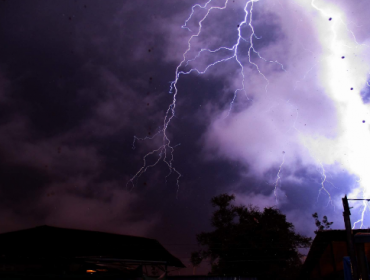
192 12
165 151
335 46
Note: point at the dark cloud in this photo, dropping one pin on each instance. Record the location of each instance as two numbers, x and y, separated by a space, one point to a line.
78 80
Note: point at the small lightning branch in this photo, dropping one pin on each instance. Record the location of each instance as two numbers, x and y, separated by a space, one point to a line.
278 178
323 176
192 13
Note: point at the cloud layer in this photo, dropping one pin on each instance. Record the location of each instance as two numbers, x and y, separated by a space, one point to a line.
79 80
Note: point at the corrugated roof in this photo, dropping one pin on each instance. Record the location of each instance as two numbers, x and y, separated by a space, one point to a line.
47 241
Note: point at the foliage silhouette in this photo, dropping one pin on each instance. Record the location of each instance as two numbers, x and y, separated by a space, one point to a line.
250 242
323 225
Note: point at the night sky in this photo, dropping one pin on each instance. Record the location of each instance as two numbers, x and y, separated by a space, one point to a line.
81 80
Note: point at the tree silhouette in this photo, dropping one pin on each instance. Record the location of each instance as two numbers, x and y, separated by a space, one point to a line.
324 224
250 242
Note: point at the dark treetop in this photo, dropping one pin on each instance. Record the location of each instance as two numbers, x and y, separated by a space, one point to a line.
250 242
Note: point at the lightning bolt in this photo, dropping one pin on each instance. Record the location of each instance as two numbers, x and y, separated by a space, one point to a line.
278 178
165 152
337 19
365 205
305 75
136 139
323 174
192 13
162 151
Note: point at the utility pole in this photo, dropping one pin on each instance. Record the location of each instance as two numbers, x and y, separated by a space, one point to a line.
350 245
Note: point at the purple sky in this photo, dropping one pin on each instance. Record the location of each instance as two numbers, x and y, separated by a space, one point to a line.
79 79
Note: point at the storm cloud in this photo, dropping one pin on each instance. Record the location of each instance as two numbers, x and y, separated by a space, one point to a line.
80 79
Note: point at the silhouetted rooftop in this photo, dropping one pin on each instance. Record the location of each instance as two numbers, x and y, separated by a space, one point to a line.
52 242
327 249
